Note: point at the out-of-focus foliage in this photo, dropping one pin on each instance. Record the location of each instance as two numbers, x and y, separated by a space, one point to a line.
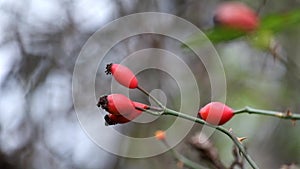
273 22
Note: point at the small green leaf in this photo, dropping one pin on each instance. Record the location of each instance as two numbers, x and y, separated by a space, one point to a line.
281 21
262 39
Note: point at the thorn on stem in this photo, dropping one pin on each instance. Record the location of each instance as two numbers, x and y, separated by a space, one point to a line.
288 113
241 139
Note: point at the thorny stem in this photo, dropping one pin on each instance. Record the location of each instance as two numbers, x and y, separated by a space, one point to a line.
289 65
287 115
151 97
219 128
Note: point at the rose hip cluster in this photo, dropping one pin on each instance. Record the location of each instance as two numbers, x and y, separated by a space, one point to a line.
121 109
233 15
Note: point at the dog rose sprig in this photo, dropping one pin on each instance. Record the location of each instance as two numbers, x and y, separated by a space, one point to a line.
122 110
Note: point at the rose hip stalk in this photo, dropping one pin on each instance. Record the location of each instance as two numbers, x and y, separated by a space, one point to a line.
141 106
216 113
236 15
123 75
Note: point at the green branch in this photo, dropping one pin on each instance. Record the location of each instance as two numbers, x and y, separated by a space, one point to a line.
286 115
220 128
151 97
249 110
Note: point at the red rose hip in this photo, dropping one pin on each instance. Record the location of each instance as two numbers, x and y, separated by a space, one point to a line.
139 107
117 104
120 108
123 75
112 119
216 113
236 15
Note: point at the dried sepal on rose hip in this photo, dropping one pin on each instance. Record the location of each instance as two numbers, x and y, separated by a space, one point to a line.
236 15
122 74
112 119
216 113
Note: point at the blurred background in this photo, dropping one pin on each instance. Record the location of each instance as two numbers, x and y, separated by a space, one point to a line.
39 44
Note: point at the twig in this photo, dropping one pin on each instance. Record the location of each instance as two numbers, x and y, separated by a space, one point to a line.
207 150
237 160
151 97
287 115
261 6
149 111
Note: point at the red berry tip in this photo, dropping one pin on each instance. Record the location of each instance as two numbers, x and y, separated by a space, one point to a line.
160 135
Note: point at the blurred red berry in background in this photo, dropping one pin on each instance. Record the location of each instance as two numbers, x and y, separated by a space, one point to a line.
236 15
